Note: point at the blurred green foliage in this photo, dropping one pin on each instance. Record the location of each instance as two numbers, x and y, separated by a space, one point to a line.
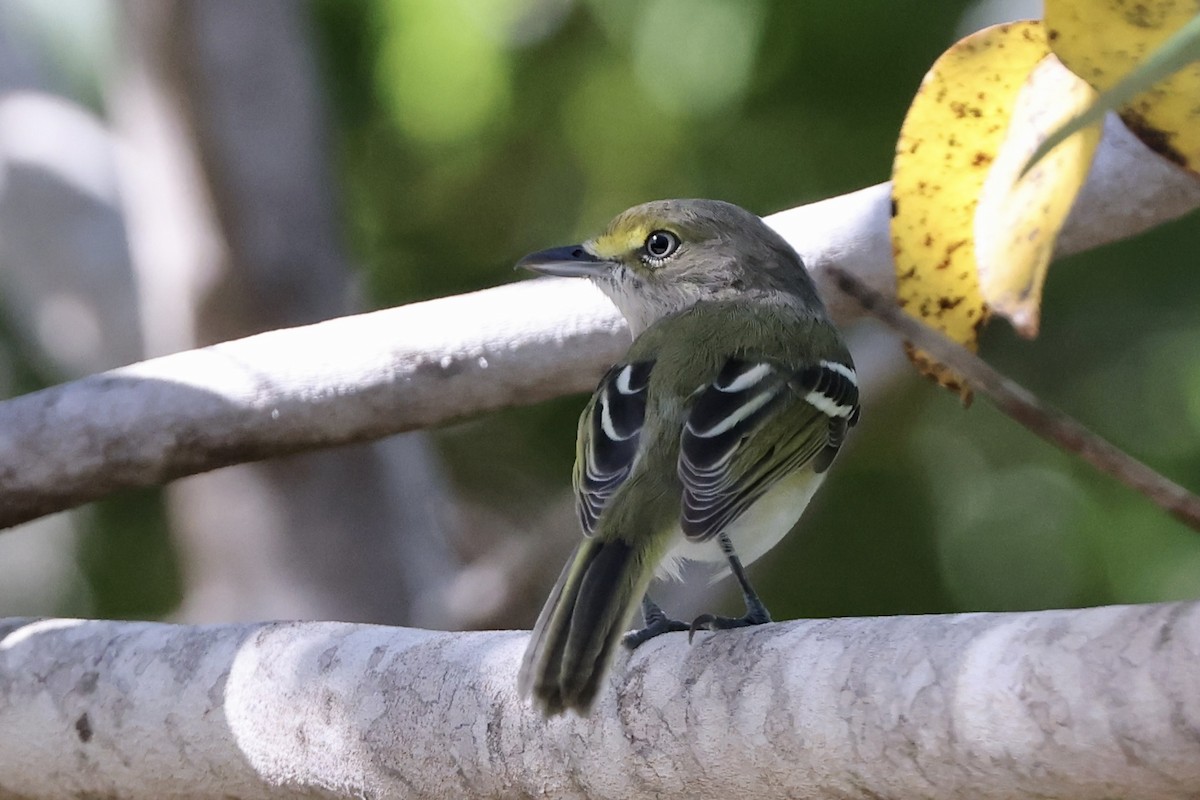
565 113
130 566
472 132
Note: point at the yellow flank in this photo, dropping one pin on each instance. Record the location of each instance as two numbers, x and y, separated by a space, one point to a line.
949 140
1017 222
1103 40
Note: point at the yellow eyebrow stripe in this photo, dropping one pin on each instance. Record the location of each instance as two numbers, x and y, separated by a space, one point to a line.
620 241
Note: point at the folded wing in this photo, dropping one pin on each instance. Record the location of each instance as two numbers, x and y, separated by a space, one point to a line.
755 423
609 436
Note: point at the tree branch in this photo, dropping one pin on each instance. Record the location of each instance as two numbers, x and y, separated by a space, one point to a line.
1081 703
360 378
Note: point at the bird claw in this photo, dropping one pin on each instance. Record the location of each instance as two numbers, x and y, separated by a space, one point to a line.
655 627
701 622
711 622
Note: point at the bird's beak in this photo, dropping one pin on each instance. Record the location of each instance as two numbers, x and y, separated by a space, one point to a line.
573 261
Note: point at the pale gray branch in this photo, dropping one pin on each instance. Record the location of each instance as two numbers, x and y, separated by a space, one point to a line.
363 377
1101 702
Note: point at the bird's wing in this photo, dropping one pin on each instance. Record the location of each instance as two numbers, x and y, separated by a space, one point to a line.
752 425
607 444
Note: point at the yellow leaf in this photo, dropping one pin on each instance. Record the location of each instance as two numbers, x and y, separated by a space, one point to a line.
950 137
1103 40
1018 221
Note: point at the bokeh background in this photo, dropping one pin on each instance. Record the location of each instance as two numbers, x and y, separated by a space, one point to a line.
177 173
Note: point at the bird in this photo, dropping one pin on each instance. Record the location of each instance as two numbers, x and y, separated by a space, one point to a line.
705 442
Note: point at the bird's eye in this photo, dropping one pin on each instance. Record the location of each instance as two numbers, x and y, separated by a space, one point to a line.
661 244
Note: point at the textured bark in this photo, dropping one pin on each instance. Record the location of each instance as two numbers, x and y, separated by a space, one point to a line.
1101 702
345 380
358 378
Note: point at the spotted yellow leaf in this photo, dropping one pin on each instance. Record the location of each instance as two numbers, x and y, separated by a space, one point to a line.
1103 41
1018 218
950 137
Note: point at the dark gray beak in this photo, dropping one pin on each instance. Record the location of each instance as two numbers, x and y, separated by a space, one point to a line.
567 262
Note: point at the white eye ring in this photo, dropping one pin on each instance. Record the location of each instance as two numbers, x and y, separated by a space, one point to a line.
660 245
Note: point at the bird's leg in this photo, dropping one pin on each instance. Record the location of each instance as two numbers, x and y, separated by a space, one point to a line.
756 612
657 623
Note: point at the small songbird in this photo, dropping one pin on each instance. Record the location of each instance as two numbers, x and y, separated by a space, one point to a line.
705 442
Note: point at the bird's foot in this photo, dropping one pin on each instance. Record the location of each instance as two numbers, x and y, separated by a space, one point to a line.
712 622
653 628
657 623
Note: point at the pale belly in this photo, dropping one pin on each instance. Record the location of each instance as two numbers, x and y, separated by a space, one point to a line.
753 533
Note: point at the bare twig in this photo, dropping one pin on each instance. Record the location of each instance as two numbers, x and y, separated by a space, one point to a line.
1022 405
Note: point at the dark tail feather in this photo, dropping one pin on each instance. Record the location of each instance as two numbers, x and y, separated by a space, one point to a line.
577 632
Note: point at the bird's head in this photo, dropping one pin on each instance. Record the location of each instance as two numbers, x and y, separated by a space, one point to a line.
662 257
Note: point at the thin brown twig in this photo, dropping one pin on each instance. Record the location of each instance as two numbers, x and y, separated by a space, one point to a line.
1023 406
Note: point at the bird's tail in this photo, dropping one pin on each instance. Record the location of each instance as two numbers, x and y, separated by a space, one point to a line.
576 635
